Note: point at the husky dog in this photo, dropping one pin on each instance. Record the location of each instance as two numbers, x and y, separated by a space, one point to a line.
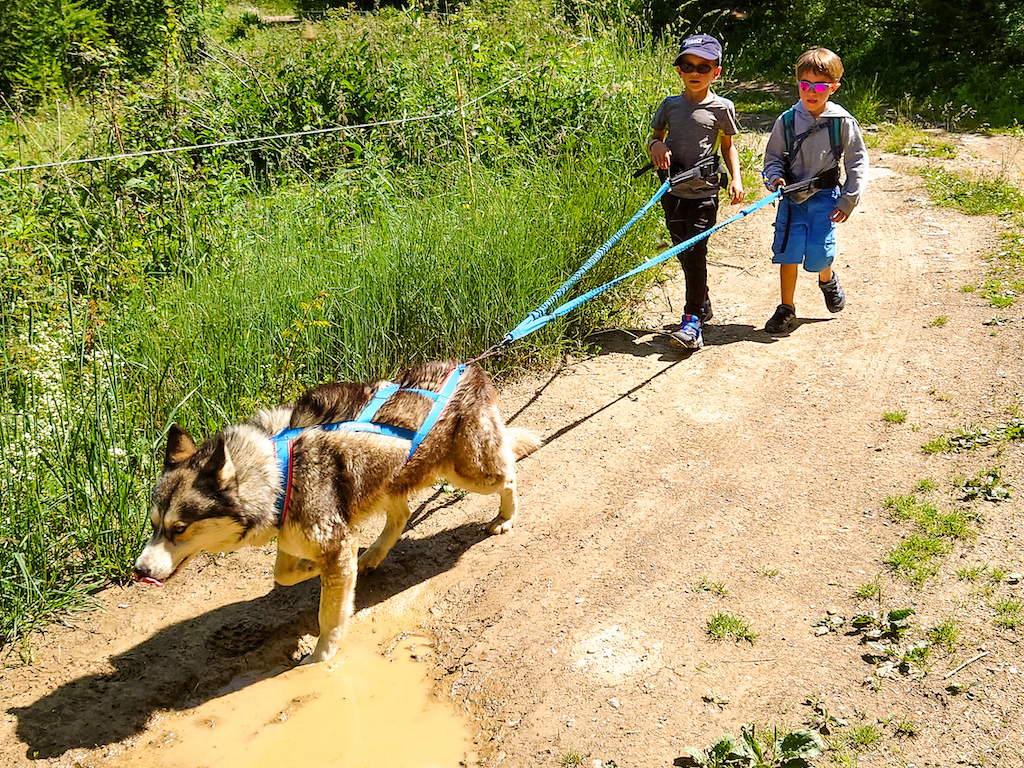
225 494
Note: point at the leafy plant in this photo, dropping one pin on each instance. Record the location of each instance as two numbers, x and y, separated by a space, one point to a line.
795 749
883 625
987 486
883 633
821 720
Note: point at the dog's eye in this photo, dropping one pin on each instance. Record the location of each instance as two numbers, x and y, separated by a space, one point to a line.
178 528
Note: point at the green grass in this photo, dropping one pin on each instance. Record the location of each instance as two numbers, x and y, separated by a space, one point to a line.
938 322
758 102
863 737
870 590
937 445
715 587
924 485
726 626
902 137
894 417
915 558
906 728
973 195
197 289
945 634
1009 613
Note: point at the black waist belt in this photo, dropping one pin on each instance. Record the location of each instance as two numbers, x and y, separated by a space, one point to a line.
824 180
709 166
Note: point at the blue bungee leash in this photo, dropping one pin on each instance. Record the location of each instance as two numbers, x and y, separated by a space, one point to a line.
541 317
596 257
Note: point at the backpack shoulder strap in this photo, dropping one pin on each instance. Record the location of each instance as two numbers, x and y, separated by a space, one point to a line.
834 138
788 128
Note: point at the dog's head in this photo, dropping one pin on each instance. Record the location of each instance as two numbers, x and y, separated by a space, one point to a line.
195 507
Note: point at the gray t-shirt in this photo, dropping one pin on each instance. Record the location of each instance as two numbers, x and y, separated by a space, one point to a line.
692 136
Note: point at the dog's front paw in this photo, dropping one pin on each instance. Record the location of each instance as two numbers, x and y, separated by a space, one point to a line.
303 649
369 560
501 525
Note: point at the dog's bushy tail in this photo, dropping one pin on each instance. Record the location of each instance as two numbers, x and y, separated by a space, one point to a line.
524 442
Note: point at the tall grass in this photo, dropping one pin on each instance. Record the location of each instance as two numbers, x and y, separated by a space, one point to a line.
196 289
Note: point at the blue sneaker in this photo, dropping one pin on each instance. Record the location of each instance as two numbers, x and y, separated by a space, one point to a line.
689 334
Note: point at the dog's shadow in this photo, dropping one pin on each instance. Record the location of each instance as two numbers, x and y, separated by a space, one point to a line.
201 658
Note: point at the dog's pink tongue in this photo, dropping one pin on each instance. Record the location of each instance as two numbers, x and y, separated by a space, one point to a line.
150 580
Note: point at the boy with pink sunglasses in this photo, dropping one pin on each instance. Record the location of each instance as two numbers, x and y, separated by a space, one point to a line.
807 144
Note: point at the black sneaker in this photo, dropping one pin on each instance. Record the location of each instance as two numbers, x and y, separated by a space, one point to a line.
705 312
783 321
835 298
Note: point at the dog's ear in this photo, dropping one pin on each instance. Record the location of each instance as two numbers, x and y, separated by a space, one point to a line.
219 469
180 446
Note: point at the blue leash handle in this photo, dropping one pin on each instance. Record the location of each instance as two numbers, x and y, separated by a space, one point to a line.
596 257
534 322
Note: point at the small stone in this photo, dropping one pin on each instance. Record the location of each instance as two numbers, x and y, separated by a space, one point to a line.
821 630
613 703
1014 578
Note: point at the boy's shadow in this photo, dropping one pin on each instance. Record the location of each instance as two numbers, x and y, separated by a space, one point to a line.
644 342
202 658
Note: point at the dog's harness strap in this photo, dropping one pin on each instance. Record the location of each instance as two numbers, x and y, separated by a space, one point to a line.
378 400
440 401
285 439
283 448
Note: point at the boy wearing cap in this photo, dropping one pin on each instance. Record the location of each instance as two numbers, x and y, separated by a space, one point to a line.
687 132
806 145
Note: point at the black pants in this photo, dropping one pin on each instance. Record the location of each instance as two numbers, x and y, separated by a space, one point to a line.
686 218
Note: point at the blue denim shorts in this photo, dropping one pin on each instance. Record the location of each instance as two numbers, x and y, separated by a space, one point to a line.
804 233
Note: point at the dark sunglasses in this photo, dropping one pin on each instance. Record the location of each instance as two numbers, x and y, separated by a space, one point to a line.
807 85
687 67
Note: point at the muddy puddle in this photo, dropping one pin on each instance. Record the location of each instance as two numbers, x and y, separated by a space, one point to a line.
372 708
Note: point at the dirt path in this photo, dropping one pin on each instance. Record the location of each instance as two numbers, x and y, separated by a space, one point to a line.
756 468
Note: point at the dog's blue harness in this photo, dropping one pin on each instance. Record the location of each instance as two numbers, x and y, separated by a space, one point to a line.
285 439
